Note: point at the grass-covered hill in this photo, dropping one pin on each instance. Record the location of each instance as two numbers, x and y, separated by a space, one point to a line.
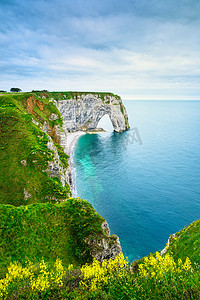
48 231
153 277
47 238
24 154
187 243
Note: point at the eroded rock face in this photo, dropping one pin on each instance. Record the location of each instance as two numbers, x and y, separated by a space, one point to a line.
107 247
26 194
170 239
55 167
85 112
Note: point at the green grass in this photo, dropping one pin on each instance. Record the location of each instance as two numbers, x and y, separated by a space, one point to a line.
187 243
22 141
48 231
163 279
72 94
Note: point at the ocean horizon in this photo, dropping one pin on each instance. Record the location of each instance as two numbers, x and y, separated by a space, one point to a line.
145 181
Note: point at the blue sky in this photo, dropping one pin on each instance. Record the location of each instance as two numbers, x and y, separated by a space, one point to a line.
139 49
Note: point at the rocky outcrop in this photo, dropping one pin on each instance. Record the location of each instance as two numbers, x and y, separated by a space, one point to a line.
55 168
85 111
107 247
170 239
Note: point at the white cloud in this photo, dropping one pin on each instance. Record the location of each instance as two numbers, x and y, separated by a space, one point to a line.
129 54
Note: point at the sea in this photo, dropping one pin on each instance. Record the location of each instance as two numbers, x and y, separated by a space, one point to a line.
146 181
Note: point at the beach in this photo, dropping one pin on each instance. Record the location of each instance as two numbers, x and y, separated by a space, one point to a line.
71 140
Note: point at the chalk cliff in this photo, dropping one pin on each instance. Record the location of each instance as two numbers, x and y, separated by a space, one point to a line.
83 112
107 247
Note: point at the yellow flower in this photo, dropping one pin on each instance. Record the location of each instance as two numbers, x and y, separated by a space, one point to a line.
159 266
97 274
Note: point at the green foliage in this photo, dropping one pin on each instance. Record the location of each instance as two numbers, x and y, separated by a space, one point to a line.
24 154
63 156
159 278
71 94
187 242
48 231
15 90
122 108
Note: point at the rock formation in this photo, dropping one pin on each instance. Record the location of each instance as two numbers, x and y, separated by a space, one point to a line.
84 112
107 247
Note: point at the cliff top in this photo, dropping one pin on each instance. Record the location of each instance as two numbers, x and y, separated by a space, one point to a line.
60 95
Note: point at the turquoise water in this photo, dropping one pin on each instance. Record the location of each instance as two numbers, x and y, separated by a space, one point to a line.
146 191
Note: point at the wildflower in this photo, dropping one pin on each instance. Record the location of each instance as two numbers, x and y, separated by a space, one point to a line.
42 282
70 267
59 272
97 274
187 264
160 266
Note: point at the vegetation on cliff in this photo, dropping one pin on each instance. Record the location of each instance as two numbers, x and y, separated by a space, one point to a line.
156 278
73 94
48 231
27 122
24 153
186 243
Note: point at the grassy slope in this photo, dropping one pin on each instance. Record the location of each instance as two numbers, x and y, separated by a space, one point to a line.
48 231
23 140
170 281
187 243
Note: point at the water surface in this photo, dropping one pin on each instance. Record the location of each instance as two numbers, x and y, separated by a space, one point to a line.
145 191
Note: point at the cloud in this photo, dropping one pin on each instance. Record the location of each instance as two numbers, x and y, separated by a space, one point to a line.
130 47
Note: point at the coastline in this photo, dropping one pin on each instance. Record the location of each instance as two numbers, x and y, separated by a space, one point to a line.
72 138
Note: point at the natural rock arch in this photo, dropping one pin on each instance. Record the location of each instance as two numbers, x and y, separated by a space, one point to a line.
85 112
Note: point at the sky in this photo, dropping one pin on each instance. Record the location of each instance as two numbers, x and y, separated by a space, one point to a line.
138 49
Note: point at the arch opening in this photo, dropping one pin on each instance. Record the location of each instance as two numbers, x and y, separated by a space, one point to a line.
105 123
